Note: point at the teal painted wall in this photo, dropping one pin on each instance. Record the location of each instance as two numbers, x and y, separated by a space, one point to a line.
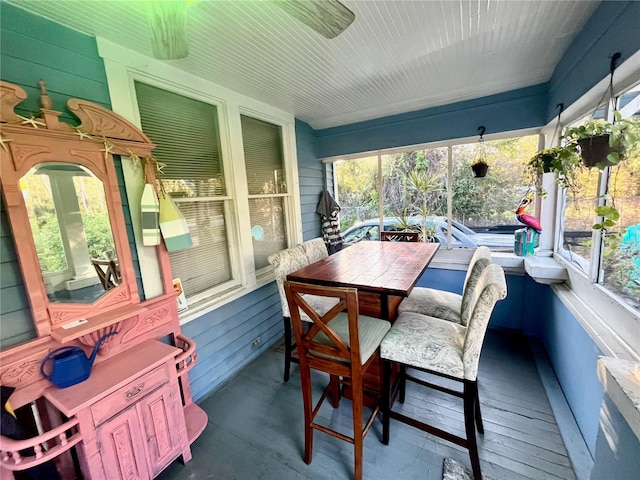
33 48
517 109
310 173
612 28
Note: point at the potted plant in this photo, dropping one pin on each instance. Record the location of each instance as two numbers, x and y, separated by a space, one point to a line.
563 160
604 143
480 168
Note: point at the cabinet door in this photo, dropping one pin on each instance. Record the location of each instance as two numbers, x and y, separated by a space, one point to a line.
163 422
121 444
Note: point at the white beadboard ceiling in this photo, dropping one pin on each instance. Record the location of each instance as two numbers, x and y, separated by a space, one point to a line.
397 56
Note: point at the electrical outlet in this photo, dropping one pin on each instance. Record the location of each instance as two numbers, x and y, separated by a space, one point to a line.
255 344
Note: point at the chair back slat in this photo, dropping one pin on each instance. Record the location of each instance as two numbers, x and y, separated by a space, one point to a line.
321 342
387 236
491 287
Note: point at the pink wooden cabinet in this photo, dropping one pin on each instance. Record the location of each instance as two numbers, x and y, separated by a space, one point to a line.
134 415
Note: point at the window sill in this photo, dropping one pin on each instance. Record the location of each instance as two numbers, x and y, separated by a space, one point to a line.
544 269
209 304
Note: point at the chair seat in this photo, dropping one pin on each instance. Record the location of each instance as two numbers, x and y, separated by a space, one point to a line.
434 303
320 304
371 331
426 342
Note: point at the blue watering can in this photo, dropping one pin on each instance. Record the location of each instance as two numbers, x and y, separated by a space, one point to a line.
69 365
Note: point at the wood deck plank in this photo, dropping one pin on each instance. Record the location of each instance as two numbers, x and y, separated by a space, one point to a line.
255 428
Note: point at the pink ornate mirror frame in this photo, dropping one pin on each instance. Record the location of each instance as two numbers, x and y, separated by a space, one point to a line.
27 142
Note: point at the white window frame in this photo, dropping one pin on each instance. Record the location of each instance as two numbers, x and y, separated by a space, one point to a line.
610 321
123 67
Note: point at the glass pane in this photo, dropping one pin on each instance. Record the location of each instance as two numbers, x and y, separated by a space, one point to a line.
357 191
268 228
621 262
488 204
186 135
72 233
36 190
206 264
263 156
579 215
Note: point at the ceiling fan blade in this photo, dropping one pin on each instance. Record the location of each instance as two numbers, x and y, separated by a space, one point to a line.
327 17
168 25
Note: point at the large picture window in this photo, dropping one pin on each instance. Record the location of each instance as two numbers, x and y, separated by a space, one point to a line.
612 259
224 200
406 187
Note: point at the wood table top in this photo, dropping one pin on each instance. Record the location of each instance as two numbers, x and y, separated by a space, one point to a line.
390 268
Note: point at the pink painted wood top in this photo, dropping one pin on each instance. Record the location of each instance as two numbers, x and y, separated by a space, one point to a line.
390 268
108 376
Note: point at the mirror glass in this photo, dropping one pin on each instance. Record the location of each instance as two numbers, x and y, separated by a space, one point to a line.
71 230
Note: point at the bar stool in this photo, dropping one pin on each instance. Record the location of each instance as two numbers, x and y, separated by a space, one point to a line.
343 344
445 349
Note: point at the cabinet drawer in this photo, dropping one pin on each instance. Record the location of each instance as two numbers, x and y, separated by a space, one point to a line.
129 394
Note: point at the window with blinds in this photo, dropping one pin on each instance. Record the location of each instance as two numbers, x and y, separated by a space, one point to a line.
267 187
186 134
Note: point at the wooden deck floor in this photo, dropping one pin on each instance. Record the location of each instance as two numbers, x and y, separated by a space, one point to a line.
255 428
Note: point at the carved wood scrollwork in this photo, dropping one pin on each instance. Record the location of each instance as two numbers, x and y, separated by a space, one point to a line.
45 138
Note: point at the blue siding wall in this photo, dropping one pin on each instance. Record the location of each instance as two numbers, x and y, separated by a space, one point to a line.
617 447
517 109
15 315
32 49
573 356
223 337
612 28
310 173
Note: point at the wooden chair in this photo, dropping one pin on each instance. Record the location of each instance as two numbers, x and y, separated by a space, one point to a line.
387 236
284 262
108 273
341 343
445 349
448 305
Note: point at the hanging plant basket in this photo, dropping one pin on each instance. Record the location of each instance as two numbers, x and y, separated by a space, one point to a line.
479 169
594 151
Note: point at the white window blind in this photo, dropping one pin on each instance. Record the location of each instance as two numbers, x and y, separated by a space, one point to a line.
267 187
186 134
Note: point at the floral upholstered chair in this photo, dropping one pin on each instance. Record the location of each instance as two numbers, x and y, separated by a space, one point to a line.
284 262
315 249
448 305
444 349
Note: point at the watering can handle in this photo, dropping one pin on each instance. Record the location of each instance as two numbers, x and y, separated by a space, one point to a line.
49 357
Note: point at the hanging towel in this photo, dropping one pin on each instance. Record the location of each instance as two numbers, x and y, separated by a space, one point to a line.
328 210
173 225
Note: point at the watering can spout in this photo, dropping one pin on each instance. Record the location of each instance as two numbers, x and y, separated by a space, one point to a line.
97 347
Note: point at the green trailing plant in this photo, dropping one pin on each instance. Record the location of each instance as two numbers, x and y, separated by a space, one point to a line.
561 160
623 134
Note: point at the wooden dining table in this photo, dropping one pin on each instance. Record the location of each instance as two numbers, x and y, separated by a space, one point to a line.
383 272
